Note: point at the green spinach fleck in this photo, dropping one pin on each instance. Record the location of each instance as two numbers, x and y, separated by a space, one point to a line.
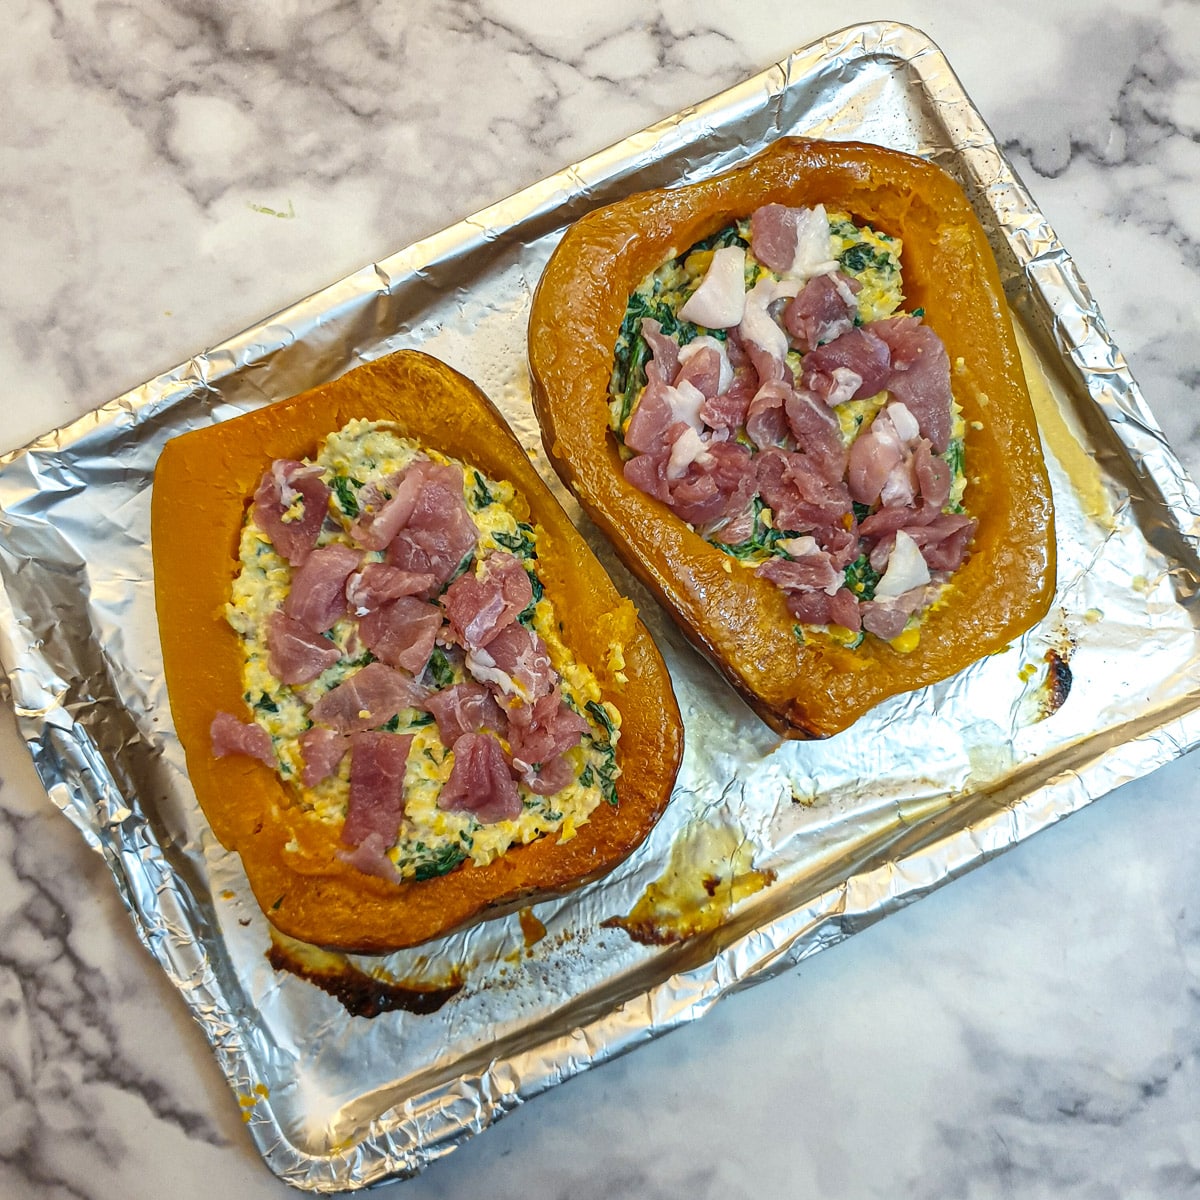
955 460
343 487
762 541
440 669
862 256
521 543
861 578
482 493
736 234
432 861
608 775
526 615
600 713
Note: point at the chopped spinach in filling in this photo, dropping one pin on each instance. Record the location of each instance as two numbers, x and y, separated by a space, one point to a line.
873 260
431 841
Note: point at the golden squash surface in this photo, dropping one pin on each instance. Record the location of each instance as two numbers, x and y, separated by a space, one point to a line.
811 685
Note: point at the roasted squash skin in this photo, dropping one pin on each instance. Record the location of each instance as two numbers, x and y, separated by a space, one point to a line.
815 687
203 485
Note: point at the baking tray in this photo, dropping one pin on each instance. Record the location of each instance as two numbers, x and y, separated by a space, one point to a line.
770 850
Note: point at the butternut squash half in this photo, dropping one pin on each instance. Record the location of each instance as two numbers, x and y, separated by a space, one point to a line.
294 860
802 681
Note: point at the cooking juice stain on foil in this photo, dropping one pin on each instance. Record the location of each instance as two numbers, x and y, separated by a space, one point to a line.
1058 681
532 928
1052 405
359 993
247 1101
1051 676
709 871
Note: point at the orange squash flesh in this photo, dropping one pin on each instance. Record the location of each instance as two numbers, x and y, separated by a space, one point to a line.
816 687
203 484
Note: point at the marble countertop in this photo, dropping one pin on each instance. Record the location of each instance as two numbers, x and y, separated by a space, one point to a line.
1032 1029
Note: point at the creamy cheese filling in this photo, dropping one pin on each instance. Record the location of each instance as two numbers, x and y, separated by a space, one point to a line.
431 840
668 295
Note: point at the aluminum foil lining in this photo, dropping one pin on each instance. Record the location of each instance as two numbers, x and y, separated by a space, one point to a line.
807 842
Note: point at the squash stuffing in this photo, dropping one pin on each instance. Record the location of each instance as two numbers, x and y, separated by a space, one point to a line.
791 395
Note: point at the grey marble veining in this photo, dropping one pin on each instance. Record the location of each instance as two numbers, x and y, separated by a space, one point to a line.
1120 142
1031 1030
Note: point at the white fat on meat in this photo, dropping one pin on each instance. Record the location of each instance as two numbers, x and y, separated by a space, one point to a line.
282 474
903 422
687 448
844 386
900 487
482 667
707 341
798 547
801 547
814 246
758 326
843 288
720 299
906 569
685 400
